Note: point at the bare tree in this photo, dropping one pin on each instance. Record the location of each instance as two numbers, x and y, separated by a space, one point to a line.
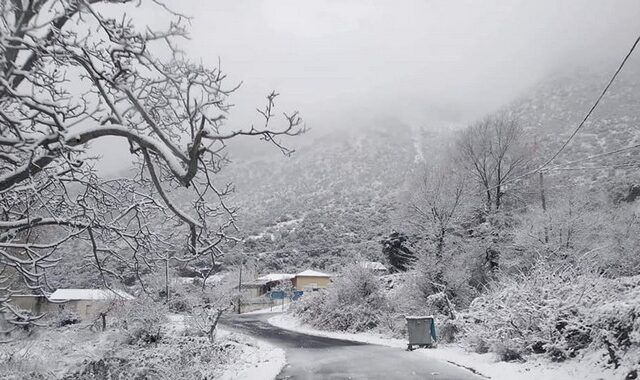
437 205
76 71
436 211
491 150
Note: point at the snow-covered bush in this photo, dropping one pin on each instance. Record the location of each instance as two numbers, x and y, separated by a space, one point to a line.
172 358
206 307
556 311
432 289
616 324
354 302
451 279
179 303
142 319
542 311
65 318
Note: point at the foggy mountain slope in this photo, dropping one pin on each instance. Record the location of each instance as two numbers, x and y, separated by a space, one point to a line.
334 198
337 195
552 110
331 199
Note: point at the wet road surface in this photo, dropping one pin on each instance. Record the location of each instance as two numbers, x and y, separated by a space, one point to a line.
313 357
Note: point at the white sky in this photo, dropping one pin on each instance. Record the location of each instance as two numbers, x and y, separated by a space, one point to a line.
422 61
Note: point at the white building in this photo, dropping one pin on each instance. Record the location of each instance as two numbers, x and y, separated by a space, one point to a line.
374 266
88 302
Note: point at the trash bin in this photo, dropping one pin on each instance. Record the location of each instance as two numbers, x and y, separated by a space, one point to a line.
422 331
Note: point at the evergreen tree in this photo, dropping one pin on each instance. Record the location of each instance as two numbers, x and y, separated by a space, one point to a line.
400 257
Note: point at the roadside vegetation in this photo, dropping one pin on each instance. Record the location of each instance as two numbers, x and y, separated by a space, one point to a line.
144 338
508 263
76 73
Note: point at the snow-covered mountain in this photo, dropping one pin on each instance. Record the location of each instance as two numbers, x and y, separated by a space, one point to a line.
337 195
334 198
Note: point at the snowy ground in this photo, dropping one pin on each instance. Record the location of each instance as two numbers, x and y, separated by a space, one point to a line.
55 352
484 364
52 352
259 360
274 309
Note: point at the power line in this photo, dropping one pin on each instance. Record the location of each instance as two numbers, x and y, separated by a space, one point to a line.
620 166
586 117
575 132
599 155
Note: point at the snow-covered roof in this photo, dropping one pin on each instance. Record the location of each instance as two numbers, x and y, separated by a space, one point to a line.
89 294
211 280
183 280
276 277
418 317
255 283
373 265
312 273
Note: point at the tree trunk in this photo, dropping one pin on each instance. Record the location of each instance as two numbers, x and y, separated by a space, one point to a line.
499 188
543 201
166 279
214 324
440 244
489 198
493 258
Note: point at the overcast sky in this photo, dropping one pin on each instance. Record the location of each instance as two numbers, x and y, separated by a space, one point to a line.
422 61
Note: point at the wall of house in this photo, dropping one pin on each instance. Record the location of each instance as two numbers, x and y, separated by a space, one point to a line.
89 309
40 305
253 304
36 304
303 282
252 291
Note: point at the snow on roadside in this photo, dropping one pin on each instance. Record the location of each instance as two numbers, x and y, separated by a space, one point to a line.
53 352
274 309
288 322
486 365
259 360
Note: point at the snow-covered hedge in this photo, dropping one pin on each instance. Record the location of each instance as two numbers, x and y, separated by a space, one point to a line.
142 320
171 358
354 302
557 312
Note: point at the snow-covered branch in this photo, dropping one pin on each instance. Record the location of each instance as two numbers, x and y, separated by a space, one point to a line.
76 72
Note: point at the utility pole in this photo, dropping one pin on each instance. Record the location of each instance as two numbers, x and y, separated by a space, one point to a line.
240 288
166 277
543 200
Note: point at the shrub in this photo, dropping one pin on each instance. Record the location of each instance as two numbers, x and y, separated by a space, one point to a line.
616 324
354 302
173 358
142 319
66 318
556 312
179 303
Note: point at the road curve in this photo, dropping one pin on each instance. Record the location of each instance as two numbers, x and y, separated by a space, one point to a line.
313 357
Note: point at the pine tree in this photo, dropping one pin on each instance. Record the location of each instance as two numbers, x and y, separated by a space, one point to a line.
400 257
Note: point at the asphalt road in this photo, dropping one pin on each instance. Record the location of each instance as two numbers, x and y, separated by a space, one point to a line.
312 357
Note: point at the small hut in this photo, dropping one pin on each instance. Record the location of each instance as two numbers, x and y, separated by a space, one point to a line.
88 302
311 280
